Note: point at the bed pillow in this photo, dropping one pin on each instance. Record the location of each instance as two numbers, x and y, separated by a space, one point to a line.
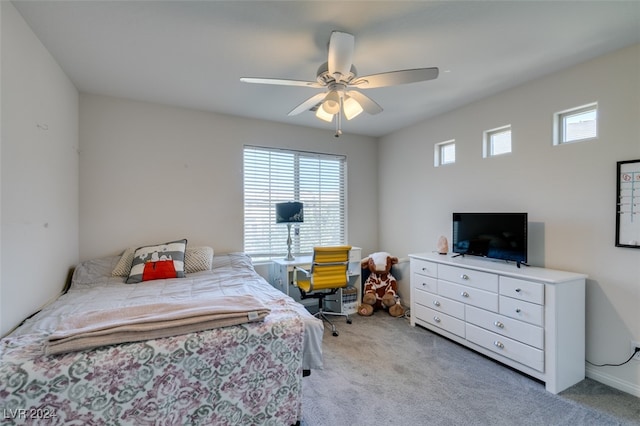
157 262
123 267
198 259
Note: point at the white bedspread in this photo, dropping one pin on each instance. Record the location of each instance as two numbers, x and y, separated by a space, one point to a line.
250 373
93 288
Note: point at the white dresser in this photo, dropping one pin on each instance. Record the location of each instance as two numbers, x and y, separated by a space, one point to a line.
532 319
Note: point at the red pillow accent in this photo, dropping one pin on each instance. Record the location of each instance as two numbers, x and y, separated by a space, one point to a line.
159 270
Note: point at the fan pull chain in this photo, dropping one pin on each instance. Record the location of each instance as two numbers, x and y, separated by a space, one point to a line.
339 120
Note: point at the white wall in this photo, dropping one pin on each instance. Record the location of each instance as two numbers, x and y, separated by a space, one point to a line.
2 327
569 191
39 173
150 173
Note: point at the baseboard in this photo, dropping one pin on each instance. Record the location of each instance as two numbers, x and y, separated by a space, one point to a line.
614 382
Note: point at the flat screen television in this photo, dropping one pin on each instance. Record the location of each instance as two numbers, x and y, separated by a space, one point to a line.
492 235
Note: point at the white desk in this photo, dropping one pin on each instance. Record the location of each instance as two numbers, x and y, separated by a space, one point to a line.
281 277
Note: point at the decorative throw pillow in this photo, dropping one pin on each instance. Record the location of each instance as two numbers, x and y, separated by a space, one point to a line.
158 262
123 267
198 259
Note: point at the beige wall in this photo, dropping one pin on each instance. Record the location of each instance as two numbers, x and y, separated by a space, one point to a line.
39 173
568 191
150 173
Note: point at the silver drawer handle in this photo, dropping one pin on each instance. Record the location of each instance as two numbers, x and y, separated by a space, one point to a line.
437 319
518 310
436 303
518 290
498 344
464 276
498 324
464 294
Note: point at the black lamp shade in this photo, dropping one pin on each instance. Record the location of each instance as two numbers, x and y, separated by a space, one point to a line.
289 212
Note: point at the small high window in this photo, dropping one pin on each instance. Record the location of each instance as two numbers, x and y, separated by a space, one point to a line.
445 153
576 124
497 141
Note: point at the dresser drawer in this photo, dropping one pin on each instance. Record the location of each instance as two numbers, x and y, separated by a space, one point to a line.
529 334
521 310
469 295
424 267
423 298
469 277
440 320
505 346
421 282
523 290
440 304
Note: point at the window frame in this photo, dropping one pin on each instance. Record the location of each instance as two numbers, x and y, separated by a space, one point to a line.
559 123
318 180
438 153
487 141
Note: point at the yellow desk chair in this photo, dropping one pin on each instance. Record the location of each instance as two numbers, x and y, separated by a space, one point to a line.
327 275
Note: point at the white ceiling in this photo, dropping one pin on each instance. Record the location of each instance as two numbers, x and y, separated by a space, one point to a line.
193 53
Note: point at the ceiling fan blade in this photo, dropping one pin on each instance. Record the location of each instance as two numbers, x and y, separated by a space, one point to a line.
340 53
394 78
281 82
312 101
368 104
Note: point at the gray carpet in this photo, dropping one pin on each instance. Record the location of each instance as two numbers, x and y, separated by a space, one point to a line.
380 370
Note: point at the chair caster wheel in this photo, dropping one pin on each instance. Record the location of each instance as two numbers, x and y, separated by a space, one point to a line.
335 333
348 320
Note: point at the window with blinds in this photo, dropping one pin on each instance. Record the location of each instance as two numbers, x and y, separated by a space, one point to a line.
275 175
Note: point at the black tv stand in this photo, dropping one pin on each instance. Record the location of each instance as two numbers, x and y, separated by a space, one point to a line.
518 262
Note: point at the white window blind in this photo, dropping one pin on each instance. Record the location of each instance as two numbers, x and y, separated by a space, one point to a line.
275 175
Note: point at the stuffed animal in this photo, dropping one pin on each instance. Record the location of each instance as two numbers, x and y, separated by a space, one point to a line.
380 288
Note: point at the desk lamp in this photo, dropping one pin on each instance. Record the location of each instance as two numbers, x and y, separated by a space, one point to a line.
289 213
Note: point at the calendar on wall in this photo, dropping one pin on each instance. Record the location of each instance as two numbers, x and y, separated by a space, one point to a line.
628 204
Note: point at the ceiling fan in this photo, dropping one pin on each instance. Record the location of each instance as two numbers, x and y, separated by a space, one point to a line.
339 78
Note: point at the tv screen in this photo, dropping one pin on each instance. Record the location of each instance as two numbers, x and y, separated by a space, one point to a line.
492 235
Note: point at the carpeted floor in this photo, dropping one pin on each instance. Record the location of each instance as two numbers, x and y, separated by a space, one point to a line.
380 370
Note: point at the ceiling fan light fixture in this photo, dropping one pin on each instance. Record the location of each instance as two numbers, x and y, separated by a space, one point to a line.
331 104
324 115
338 77
351 108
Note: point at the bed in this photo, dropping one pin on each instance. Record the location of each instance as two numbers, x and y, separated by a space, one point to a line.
249 373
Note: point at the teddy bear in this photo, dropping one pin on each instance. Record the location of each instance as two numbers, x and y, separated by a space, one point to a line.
381 287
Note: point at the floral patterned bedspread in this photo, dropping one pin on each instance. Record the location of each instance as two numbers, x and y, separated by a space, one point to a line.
248 374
